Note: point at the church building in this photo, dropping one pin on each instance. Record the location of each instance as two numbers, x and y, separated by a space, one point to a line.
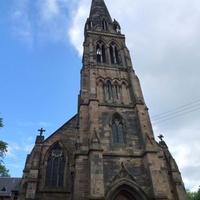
107 151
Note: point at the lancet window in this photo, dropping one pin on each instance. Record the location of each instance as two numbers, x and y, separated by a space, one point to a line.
100 52
116 91
118 130
114 54
89 23
100 90
55 168
104 24
109 90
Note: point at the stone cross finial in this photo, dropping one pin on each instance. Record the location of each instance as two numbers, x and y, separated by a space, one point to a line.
41 131
161 137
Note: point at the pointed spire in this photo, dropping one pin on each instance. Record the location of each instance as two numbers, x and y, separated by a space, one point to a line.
99 9
99 15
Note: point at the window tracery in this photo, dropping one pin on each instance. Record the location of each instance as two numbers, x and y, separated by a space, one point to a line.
114 54
100 52
55 168
118 130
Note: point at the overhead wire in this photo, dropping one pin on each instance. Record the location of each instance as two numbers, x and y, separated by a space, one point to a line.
164 116
10 160
175 116
175 108
173 113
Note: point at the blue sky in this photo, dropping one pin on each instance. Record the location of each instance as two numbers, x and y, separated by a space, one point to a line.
40 62
39 78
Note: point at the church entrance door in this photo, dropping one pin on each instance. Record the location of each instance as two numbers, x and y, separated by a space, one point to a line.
123 197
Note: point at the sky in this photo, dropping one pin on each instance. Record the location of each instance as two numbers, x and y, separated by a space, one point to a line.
40 62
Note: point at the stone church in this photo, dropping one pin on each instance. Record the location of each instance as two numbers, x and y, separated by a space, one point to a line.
107 151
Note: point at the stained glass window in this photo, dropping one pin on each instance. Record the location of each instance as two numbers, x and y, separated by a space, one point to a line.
55 168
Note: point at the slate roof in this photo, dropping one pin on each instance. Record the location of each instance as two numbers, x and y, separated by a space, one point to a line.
8 184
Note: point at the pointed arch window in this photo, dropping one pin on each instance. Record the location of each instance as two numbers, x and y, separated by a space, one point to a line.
104 24
118 130
90 23
103 53
100 90
55 168
116 90
109 90
100 52
114 54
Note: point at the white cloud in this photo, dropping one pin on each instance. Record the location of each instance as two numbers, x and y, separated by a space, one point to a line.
12 148
44 124
25 123
22 28
49 9
75 32
30 139
28 147
39 22
53 21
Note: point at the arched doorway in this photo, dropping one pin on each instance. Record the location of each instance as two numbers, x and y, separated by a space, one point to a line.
122 197
127 191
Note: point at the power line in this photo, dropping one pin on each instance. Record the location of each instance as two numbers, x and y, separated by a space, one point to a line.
166 115
19 158
14 161
173 113
155 116
176 116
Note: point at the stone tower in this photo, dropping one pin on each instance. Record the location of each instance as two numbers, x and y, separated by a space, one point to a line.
108 150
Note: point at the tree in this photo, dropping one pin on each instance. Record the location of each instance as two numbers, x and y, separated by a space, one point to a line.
193 195
1 122
3 149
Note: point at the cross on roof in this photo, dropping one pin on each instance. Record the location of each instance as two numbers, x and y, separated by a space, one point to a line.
161 137
41 131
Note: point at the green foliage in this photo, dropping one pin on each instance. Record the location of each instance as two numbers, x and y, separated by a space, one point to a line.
1 122
3 171
193 195
3 149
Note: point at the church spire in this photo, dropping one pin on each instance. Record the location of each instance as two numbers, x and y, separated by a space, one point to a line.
99 18
99 10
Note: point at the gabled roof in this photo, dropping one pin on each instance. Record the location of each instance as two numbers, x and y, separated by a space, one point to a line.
7 185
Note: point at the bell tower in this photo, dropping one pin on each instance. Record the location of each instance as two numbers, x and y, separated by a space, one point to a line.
107 151
117 155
